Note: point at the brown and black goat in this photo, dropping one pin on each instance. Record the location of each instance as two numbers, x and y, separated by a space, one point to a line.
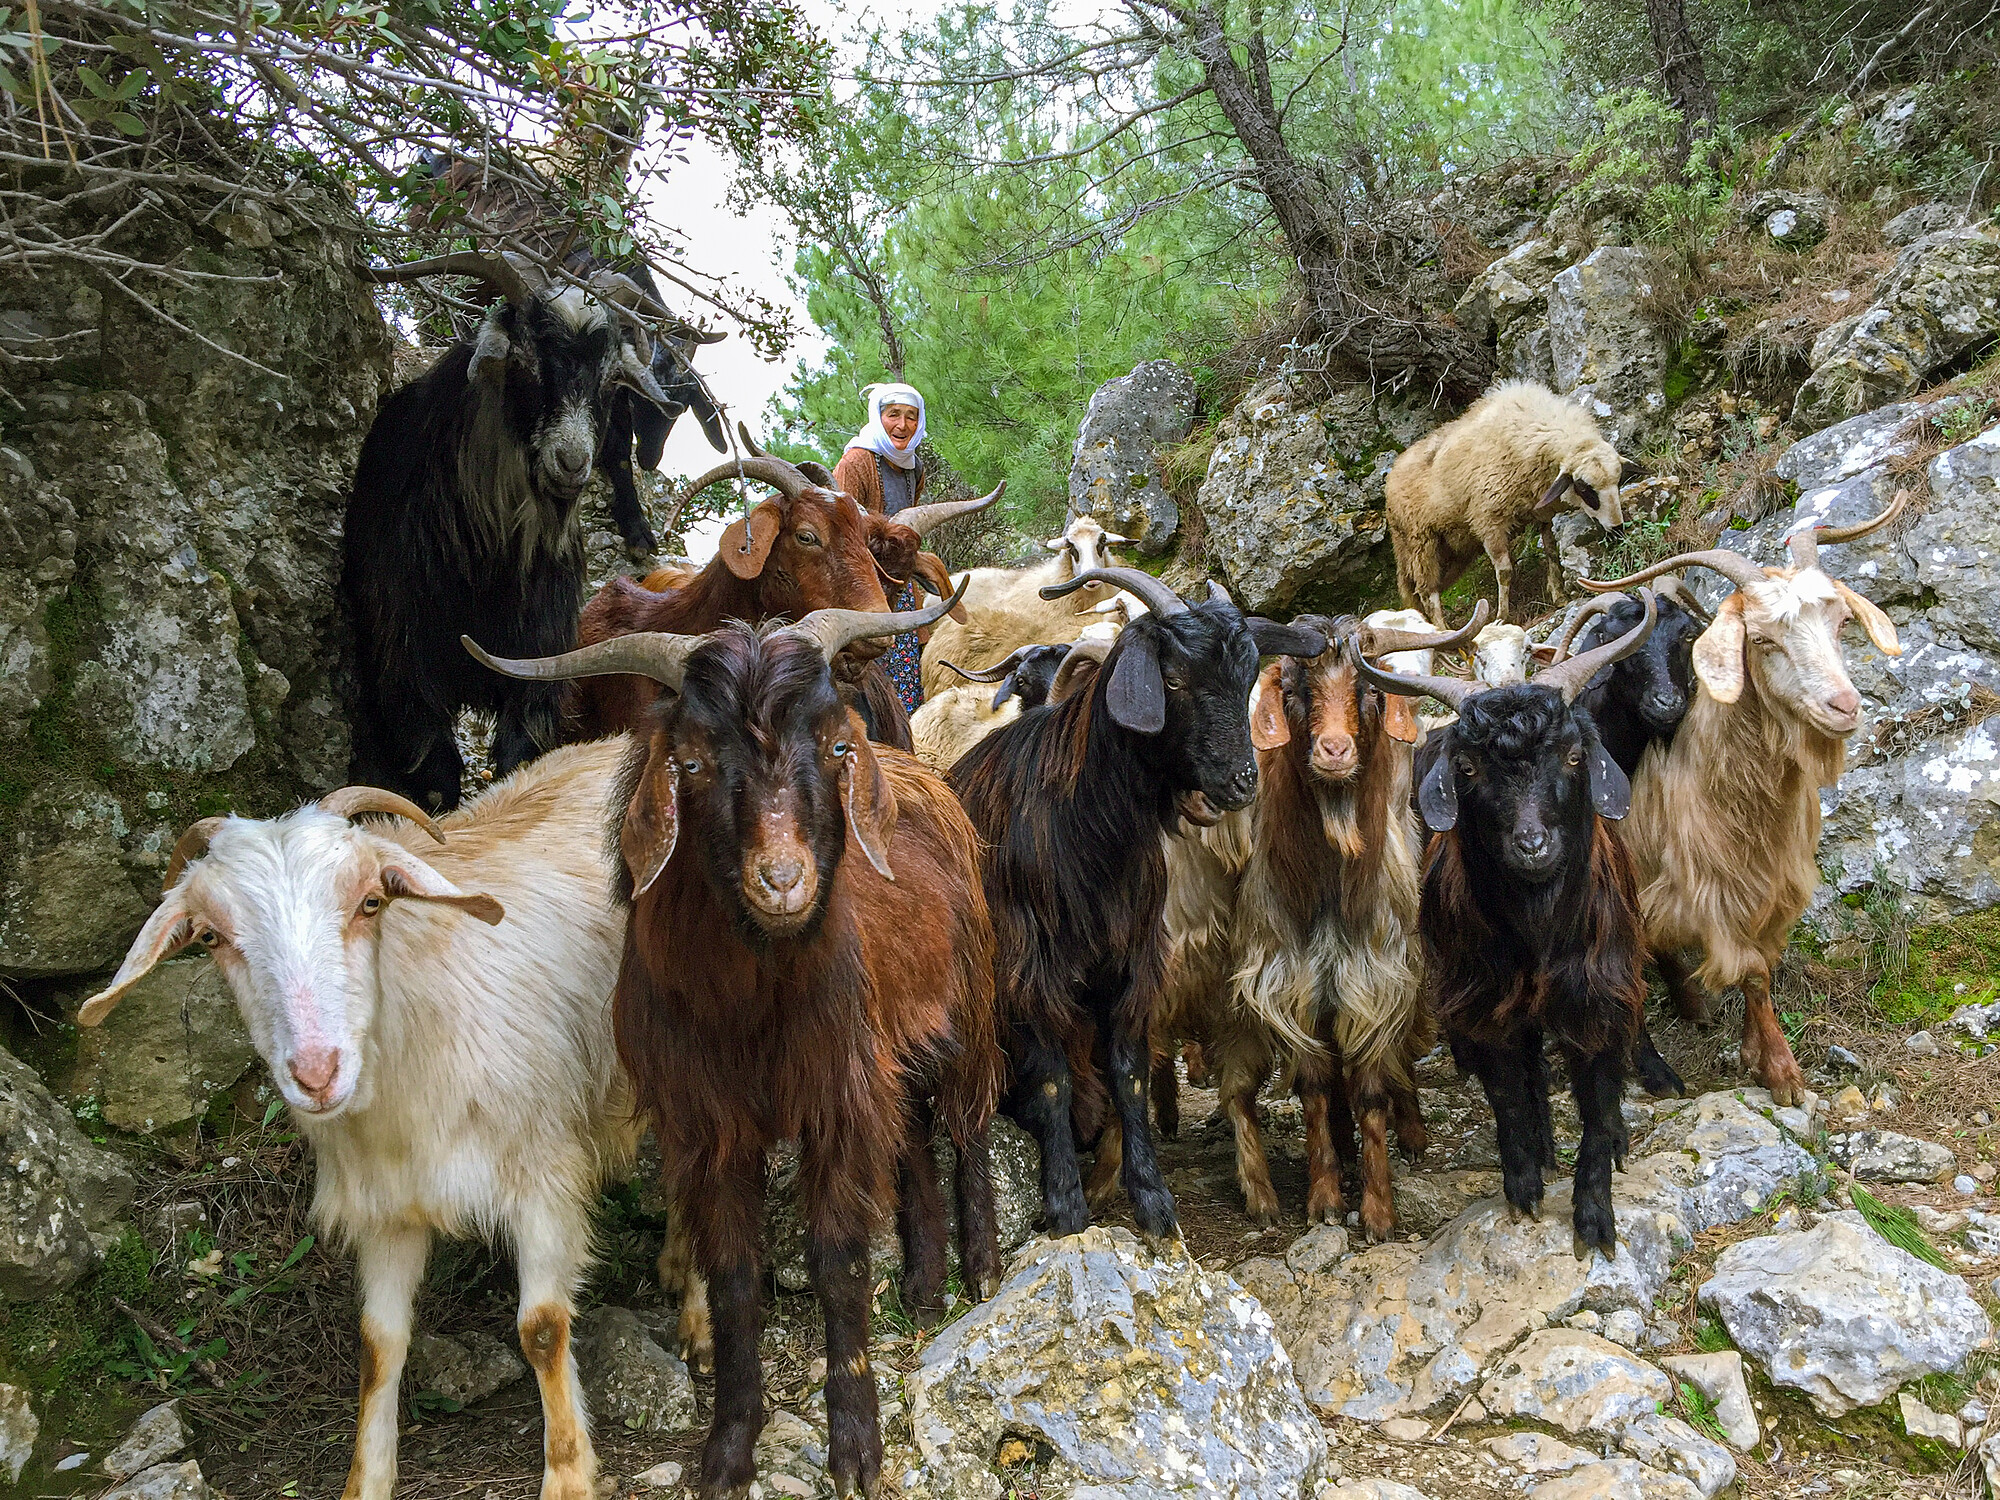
1073 800
1725 817
808 547
809 958
1530 915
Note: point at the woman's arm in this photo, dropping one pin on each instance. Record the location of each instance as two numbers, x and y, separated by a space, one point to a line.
855 473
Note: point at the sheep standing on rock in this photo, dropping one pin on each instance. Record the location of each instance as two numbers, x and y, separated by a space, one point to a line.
1478 482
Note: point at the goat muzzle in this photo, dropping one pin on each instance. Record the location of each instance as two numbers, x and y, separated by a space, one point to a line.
1197 809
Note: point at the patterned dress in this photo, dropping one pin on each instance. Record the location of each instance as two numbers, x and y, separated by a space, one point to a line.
904 658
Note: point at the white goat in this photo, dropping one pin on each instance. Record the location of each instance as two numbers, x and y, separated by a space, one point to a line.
455 1072
1004 608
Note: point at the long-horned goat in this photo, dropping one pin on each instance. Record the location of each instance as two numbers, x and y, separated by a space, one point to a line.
1005 609
806 548
813 962
1072 802
1725 817
453 1068
1530 915
1517 455
948 724
463 518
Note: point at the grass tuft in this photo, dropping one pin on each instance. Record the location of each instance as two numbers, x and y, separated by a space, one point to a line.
1898 1226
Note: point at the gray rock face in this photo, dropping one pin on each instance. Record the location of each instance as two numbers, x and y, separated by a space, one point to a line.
1731 1156
1941 299
629 1381
175 1041
1885 1156
1912 224
1114 475
1145 1376
1615 1479
1512 289
1606 350
67 901
163 1482
59 1194
1575 1381
1719 1377
19 1427
1797 220
1671 1446
158 1435
1294 495
1839 1313
464 1369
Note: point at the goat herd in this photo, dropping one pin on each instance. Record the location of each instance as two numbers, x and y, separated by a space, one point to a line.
715 897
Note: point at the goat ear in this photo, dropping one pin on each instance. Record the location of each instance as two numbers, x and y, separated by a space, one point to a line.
1610 791
871 805
652 822
1399 718
1137 693
931 568
1268 728
747 542
1437 797
407 878
168 930
489 353
1872 620
1718 653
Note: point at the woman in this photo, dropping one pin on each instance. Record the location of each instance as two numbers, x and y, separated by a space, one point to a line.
883 473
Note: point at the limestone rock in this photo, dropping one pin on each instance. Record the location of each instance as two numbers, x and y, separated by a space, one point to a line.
175 1041
1920 1421
1575 1381
467 1368
67 902
1719 1377
1671 1446
1913 224
163 1482
629 1381
1797 220
1370 1489
1294 494
1732 1157
19 1427
1615 1479
1606 349
1841 1314
1144 1375
59 1193
1114 475
1537 1453
1941 299
1884 1156
1511 288
158 1435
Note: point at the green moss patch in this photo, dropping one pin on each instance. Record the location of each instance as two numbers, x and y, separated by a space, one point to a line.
1965 952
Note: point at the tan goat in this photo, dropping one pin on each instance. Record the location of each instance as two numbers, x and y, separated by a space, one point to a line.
1480 481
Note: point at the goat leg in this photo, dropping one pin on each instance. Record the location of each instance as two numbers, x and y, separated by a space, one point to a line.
1166 1095
1242 1063
1656 1074
390 1266
1766 1053
1041 1102
728 1458
1105 1163
978 1223
1407 1110
1690 1001
920 1219
1195 1058
1503 1072
839 1268
1378 1198
679 1278
1535 1069
1152 1202
1597 1083
552 1245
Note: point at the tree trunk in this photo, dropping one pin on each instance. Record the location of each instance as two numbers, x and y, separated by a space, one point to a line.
1682 72
854 255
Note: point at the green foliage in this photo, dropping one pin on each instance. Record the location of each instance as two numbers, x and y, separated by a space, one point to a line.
1940 959
1898 1226
1699 1411
1635 163
1710 1337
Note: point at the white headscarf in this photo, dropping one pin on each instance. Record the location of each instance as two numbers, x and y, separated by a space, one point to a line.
874 438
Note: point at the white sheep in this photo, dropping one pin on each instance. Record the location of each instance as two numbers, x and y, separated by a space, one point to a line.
1480 481
1499 655
440 1026
1004 608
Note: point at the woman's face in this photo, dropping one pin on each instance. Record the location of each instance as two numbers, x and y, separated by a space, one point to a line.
900 422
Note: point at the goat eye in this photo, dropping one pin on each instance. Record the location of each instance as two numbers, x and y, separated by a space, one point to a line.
370 905
841 749
1466 768
691 767
209 937
807 538
1175 684
1576 757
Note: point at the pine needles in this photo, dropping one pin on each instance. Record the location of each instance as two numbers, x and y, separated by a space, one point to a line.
1898 1226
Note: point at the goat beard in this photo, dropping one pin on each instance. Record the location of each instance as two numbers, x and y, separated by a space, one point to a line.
1197 809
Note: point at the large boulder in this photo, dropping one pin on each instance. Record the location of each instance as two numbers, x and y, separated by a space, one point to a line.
1606 346
1839 1313
1293 499
1115 475
1941 299
60 1196
1142 1375
175 1041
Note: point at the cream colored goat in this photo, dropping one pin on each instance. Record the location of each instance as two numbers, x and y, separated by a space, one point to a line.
1479 482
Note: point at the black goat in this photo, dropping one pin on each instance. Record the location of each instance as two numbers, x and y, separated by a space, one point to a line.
1072 801
463 522
1530 915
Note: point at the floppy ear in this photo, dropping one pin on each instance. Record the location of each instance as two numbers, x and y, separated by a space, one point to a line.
1610 791
407 878
168 930
1274 639
1002 693
1437 797
652 819
747 542
1399 718
1137 693
1268 729
871 805
489 354
1718 653
1872 620
1077 671
931 568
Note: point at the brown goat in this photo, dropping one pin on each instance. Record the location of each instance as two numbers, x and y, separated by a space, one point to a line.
780 982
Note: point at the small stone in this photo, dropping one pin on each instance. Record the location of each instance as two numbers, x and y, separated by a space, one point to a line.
1923 1044
628 1379
1972 1414
1625 1326
163 1482
1587 1320
660 1477
1838 1056
1719 1377
1886 1101
1934 1222
464 1369
1576 1381
1475 1411
1671 1446
19 1426
71 1461
156 1436
1964 1186
1982 1118
1405 1430
1537 1453
1317 1251
1983 1171
1920 1421
1885 1156
1370 1489
1616 1479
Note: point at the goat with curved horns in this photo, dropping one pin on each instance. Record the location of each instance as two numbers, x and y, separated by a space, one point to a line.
1725 818
1530 915
839 992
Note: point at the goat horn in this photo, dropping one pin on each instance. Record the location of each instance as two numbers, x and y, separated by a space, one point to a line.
779 475
1804 544
352 801
191 846
1154 594
1673 586
1734 566
832 629
658 654
1381 640
924 519
1572 676
504 273
1452 690
1597 604
749 443
993 673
